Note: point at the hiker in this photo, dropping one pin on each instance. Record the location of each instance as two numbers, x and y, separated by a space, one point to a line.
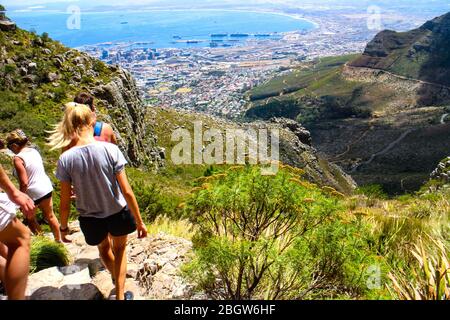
33 180
14 239
102 131
105 201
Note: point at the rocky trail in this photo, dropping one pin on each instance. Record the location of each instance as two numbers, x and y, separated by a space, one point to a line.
153 271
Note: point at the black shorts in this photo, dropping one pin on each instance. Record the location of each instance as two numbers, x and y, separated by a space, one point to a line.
47 196
96 230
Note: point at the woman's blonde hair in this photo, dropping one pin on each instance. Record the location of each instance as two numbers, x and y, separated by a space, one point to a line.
17 137
76 117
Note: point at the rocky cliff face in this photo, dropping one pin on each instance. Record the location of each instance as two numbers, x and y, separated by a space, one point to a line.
294 143
423 53
296 150
126 113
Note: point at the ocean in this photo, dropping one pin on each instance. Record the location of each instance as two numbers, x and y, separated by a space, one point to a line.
159 29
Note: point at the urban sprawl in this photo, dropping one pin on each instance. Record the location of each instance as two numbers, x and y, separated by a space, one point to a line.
214 78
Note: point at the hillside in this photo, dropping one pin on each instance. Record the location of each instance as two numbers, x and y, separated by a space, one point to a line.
38 75
423 53
229 231
382 127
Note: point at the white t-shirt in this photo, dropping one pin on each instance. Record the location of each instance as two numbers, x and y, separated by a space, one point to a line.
39 184
7 211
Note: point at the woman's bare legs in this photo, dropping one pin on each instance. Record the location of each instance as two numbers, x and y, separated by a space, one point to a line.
119 245
106 255
47 209
16 237
113 255
3 256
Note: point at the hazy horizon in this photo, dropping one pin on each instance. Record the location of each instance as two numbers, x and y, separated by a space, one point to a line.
215 3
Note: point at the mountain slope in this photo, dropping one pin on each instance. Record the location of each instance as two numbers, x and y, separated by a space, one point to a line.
381 126
423 53
38 75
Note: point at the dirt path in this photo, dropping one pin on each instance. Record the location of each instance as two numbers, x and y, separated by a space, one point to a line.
384 151
403 77
350 145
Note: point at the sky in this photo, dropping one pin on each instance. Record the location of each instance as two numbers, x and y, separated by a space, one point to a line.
279 4
150 2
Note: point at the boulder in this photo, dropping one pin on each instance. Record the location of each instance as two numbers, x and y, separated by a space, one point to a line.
32 66
6 25
442 172
303 134
69 283
51 77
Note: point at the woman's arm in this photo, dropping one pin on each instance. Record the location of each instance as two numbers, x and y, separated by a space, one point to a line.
132 203
22 174
15 195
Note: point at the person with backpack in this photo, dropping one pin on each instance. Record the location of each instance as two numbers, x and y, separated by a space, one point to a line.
102 131
29 168
105 201
14 239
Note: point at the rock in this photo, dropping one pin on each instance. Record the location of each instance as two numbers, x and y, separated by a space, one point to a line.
37 42
6 25
68 283
51 76
46 51
105 285
297 153
303 135
23 71
32 66
89 257
442 172
31 78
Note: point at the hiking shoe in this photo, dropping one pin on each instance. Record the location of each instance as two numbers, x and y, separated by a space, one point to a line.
129 295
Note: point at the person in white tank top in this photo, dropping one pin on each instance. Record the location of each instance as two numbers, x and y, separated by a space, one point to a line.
30 171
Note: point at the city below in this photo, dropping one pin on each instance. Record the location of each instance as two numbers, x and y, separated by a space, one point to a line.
214 79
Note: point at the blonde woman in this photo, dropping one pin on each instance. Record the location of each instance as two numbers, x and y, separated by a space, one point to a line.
105 201
33 181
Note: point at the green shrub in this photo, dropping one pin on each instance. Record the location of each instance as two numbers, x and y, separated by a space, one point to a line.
153 202
46 253
270 237
372 191
9 69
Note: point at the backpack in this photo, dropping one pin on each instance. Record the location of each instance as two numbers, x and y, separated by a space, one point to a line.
98 129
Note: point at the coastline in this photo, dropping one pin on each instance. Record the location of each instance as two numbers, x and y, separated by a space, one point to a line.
310 24
315 24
